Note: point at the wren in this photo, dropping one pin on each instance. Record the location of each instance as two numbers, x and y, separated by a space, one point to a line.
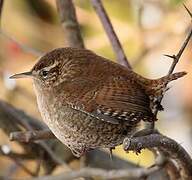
90 102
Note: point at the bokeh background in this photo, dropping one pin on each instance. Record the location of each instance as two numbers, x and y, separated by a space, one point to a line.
147 29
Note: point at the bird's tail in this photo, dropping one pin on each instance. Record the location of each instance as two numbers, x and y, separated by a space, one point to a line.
155 88
158 85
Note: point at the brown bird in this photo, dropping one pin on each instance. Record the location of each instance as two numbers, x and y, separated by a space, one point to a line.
88 101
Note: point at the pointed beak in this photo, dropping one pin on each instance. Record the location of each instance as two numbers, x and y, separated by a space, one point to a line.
22 75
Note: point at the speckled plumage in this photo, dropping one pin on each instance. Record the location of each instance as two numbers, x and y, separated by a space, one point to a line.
90 102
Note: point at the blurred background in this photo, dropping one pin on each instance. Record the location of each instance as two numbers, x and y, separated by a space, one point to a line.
147 29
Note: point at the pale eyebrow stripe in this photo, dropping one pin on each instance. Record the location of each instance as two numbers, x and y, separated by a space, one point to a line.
51 66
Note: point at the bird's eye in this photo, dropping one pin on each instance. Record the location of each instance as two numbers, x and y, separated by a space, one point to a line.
44 73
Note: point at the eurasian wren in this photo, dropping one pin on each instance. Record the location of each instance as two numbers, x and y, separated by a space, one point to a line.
88 101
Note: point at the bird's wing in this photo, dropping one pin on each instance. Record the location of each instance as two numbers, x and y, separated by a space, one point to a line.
114 101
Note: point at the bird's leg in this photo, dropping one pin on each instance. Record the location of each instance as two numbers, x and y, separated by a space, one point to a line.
111 152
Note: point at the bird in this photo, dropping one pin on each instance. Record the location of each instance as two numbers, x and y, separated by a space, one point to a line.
90 102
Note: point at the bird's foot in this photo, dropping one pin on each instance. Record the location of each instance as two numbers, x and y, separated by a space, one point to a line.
140 133
111 152
127 145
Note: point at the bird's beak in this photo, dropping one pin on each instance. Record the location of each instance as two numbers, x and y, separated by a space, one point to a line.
22 75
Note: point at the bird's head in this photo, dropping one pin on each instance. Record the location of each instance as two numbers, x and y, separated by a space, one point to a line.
53 68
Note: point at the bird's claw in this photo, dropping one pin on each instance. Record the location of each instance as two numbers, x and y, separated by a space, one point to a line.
127 145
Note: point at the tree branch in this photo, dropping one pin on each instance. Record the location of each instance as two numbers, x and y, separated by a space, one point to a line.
69 23
30 136
117 47
174 150
104 174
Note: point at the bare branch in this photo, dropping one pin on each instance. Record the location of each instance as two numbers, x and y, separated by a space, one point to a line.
38 135
69 23
190 14
30 136
94 172
178 55
117 47
174 150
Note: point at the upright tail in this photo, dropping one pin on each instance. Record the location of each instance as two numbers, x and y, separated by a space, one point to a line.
171 77
154 88
158 85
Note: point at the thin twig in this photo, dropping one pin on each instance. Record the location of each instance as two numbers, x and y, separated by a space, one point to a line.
69 23
177 57
117 47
